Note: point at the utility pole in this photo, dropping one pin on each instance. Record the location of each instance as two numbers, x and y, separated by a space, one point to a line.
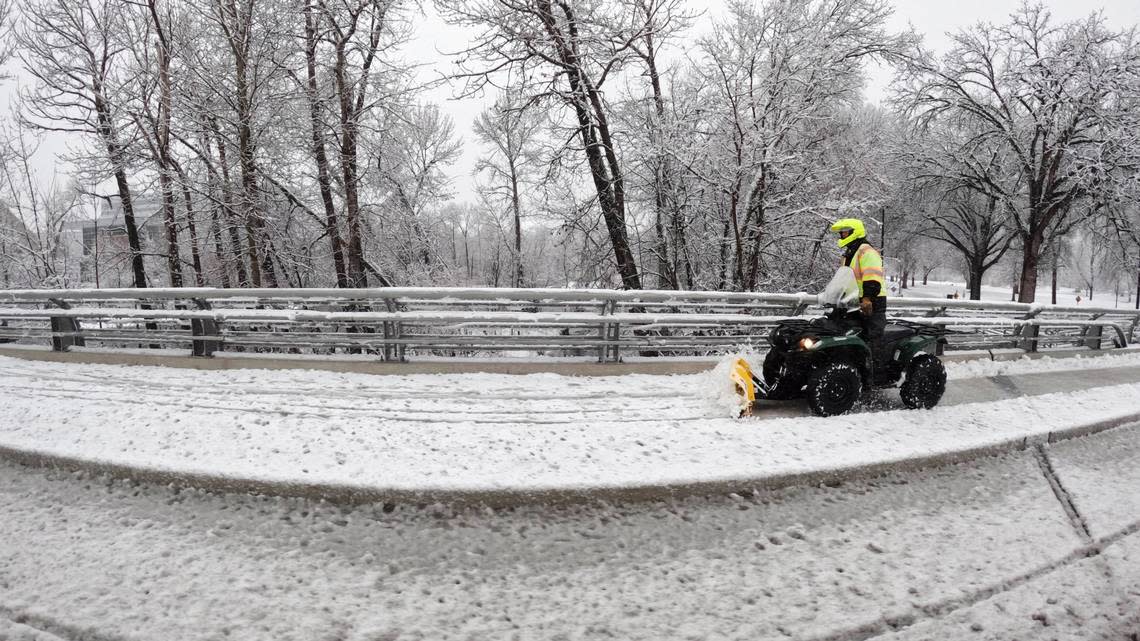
883 230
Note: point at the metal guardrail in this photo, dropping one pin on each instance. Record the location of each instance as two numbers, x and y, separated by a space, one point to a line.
396 324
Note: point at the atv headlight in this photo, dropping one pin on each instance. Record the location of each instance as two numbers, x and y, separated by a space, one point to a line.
808 342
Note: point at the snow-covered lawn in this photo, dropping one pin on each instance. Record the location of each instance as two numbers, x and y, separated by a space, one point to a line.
490 432
1065 295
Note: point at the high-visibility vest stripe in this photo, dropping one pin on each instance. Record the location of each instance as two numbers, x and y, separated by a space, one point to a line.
868 266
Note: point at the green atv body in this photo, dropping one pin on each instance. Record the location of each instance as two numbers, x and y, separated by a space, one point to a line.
826 361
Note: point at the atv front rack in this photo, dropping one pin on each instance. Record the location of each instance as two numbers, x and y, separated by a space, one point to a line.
801 325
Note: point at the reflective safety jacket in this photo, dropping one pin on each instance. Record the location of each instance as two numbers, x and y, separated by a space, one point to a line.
867 264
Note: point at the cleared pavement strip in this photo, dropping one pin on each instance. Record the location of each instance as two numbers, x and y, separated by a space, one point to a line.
995 388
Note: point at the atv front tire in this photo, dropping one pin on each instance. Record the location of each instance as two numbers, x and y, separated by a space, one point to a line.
925 382
783 382
833 388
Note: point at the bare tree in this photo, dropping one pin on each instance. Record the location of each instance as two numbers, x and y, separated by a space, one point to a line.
957 173
781 74
509 128
1046 95
354 57
313 95
663 20
410 159
7 17
565 51
150 110
33 249
252 68
71 49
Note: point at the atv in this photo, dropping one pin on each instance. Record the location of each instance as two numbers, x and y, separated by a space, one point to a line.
826 360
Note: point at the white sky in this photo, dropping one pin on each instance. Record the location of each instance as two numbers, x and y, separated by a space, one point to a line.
929 17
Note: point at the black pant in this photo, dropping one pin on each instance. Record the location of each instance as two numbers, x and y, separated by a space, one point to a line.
873 325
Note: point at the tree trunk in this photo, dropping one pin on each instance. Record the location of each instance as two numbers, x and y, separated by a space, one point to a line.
162 146
517 209
228 212
1053 284
260 264
1137 299
1092 272
132 230
219 246
601 155
348 166
667 265
1027 284
976 274
754 226
332 225
115 155
249 204
173 258
192 228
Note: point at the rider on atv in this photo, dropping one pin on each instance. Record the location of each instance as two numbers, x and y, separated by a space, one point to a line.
867 263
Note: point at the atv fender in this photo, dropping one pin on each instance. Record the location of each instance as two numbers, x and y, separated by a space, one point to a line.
848 348
908 348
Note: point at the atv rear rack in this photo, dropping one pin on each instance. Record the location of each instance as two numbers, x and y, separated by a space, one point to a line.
922 329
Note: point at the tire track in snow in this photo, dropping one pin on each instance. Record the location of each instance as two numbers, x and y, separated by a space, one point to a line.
437 416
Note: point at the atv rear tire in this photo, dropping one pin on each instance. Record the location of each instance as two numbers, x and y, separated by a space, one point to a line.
833 388
783 383
925 382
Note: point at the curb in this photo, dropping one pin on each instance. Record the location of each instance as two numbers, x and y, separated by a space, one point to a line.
507 498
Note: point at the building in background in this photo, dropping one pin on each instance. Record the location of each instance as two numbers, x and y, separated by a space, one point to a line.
101 241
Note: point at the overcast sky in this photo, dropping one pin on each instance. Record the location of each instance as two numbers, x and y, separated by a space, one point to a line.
931 18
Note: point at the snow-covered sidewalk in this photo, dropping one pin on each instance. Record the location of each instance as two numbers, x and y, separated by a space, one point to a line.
455 433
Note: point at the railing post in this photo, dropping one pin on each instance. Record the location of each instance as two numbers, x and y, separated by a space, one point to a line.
206 340
604 330
1029 335
615 337
393 331
1030 332
1093 333
64 329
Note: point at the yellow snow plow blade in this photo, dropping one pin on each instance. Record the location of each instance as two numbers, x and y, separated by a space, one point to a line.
745 386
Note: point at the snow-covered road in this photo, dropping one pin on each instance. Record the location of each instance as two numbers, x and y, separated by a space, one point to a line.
974 551
981 550
483 432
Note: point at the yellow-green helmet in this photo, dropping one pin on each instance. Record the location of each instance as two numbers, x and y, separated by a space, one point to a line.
854 225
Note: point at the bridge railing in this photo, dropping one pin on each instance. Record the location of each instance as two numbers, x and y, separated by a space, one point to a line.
405 323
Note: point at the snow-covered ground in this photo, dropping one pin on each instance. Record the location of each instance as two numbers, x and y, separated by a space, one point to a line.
982 550
1065 295
976 551
478 432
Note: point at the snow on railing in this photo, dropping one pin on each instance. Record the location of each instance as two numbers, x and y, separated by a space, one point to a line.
395 322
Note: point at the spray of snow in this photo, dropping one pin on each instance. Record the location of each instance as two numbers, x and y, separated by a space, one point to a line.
718 386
